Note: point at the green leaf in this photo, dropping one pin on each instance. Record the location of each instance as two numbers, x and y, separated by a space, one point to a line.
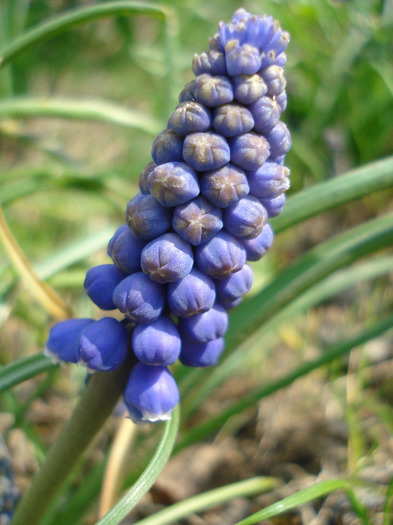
98 110
355 184
18 371
304 496
77 17
201 502
149 476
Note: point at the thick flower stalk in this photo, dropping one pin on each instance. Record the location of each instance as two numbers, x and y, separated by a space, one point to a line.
180 261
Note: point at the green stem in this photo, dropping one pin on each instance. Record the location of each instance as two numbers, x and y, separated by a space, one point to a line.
94 408
77 17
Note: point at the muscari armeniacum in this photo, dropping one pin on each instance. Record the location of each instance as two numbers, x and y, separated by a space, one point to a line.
179 262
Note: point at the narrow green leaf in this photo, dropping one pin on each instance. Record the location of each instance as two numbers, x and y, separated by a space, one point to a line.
98 110
345 188
74 18
301 497
328 355
18 371
149 476
178 511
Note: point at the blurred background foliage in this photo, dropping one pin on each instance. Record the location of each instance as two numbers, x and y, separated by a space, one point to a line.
65 179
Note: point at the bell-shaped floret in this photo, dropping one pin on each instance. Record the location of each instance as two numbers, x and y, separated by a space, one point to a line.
274 79
139 298
257 247
221 256
241 59
232 119
201 354
206 151
64 339
167 147
173 183
247 89
103 345
211 62
266 113
192 295
147 218
225 186
234 286
212 91
205 327
167 258
249 151
274 206
151 393
187 93
190 117
157 343
269 181
125 250
100 283
197 221
279 140
246 218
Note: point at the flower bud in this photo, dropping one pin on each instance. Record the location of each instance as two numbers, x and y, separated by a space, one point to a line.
249 151
274 206
234 286
190 117
100 283
173 183
197 221
279 140
167 258
232 119
241 59
139 298
269 181
282 100
201 354
248 88
125 250
167 147
192 295
206 151
221 256
257 247
246 218
274 80
266 113
187 93
64 338
206 326
144 177
147 218
212 91
103 345
225 186
212 62
157 343
151 393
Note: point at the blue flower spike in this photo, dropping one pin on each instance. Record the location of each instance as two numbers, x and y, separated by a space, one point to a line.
216 177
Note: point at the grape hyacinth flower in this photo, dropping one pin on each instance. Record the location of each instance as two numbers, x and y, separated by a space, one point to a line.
216 177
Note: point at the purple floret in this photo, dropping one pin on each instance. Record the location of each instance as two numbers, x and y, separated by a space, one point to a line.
173 183
157 343
103 345
167 147
201 354
167 258
64 338
192 295
125 250
151 393
147 218
234 286
206 151
100 283
221 256
246 218
206 326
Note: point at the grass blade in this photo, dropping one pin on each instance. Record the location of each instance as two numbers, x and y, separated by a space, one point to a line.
18 371
98 110
178 511
345 188
149 476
